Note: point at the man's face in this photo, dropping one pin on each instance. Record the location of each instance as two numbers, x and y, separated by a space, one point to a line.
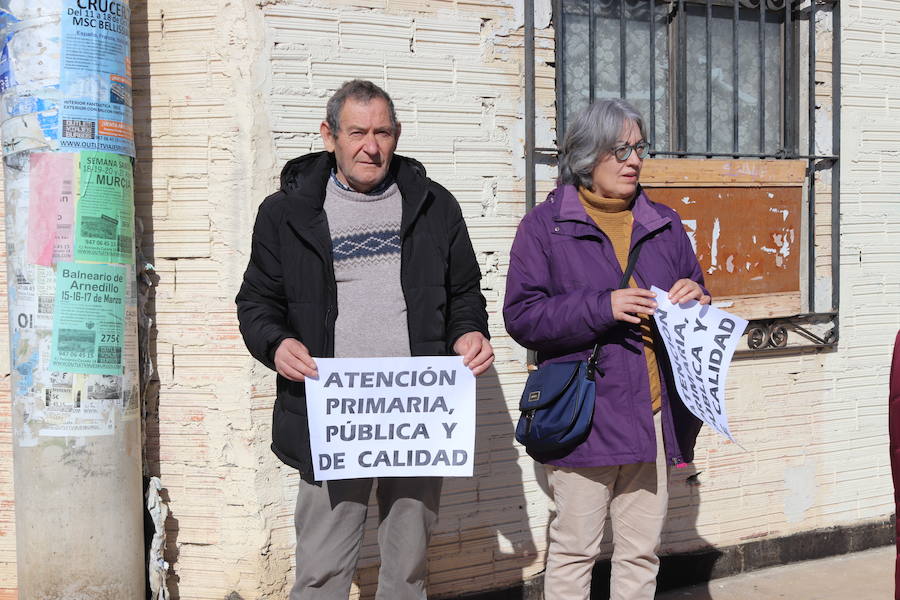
364 143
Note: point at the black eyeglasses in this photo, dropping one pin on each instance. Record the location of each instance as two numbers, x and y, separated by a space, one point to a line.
623 151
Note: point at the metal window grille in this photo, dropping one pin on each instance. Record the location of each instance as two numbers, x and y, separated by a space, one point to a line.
712 77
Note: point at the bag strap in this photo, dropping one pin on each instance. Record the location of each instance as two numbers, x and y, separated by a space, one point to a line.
632 261
626 276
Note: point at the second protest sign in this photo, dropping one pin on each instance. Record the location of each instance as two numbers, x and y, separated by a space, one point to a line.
391 417
700 341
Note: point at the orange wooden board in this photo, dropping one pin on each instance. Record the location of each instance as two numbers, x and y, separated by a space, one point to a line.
687 172
747 239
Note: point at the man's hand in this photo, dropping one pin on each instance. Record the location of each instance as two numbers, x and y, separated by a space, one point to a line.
476 351
292 361
685 290
628 302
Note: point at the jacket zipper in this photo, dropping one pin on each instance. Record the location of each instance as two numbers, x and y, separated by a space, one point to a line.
403 266
667 423
332 301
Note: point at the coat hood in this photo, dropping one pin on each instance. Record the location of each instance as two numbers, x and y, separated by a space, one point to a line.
318 166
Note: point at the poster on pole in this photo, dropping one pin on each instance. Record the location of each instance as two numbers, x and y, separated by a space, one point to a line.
75 404
700 341
71 74
95 77
51 211
68 403
104 213
391 417
89 319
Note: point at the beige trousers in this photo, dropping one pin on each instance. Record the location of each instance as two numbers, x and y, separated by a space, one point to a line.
636 498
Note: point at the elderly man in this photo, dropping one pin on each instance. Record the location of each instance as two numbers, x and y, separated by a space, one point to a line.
358 255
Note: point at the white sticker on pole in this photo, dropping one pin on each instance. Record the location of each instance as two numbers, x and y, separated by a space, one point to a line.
391 417
700 341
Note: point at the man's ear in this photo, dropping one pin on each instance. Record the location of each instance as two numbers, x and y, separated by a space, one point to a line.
327 136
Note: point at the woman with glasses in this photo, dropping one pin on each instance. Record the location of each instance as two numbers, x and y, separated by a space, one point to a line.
562 298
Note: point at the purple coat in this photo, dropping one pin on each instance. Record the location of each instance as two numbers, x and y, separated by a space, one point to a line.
562 272
894 437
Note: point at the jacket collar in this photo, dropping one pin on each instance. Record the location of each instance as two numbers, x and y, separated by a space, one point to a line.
413 184
304 180
646 215
567 207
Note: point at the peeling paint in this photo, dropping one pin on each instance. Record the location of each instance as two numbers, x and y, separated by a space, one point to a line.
799 492
545 135
714 246
543 11
783 247
690 227
779 241
784 212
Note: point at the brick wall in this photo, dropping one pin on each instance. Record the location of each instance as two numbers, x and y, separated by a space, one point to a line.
225 94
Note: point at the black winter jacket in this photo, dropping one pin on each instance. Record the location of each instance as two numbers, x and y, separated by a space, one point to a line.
289 289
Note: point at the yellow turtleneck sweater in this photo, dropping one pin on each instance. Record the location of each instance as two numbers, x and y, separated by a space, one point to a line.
613 216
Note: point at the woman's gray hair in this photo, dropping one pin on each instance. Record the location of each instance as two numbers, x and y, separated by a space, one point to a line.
594 131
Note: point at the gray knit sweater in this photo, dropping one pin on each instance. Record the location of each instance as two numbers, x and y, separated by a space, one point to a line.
365 239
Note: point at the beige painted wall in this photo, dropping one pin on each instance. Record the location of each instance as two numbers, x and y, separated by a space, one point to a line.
225 94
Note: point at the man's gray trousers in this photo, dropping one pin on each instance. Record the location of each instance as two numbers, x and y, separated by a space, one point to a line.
330 520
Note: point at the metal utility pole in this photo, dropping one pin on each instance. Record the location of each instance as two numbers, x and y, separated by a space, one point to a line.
68 146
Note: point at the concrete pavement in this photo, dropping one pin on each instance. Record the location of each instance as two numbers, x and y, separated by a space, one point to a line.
867 575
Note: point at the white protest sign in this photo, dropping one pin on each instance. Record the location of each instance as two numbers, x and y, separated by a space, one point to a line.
700 341
391 417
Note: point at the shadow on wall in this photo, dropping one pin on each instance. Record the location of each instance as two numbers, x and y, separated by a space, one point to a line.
692 568
147 278
676 570
483 538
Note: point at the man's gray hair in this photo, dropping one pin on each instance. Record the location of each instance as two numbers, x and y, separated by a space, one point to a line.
362 91
594 131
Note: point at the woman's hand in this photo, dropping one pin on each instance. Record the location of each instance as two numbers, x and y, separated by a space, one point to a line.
685 290
628 302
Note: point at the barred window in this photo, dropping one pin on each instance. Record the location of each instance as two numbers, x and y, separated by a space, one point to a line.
712 77
724 82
